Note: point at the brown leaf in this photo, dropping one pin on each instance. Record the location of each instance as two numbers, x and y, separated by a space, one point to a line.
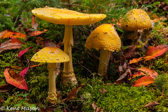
94 105
73 92
34 23
123 76
5 88
129 52
151 104
8 45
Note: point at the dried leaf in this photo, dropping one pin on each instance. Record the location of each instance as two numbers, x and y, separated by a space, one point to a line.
154 52
73 92
7 45
123 76
12 34
39 41
94 105
145 80
36 33
34 22
150 72
23 51
129 52
151 104
5 88
15 79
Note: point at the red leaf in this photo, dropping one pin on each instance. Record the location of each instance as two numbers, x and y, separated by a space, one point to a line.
23 51
15 40
145 80
36 33
154 52
150 72
24 71
15 79
152 103
9 44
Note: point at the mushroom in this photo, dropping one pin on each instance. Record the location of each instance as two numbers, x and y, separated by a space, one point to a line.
134 20
68 18
51 55
105 38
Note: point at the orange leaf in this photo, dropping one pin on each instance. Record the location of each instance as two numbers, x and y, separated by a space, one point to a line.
154 52
36 33
145 80
15 79
137 74
12 34
135 60
150 72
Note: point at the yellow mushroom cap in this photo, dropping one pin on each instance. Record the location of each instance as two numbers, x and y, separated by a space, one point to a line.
136 19
50 55
67 17
104 37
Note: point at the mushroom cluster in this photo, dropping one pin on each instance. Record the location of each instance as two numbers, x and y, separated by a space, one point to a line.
67 18
51 55
105 38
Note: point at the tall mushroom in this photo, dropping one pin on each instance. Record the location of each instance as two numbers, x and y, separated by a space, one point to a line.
105 38
68 18
134 20
51 55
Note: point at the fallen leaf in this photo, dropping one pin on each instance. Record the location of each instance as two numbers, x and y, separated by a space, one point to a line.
5 88
24 71
7 45
12 34
23 51
129 52
137 74
15 79
154 52
123 76
15 40
135 60
39 41
94 105
152 103
150 72
145 80
34 22
36 33
73 92
17 68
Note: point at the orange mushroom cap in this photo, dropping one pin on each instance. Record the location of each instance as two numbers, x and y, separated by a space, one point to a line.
67 17
136 19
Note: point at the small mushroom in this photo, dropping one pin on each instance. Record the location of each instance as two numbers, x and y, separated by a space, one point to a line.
51 55
105 38
67 18
134 20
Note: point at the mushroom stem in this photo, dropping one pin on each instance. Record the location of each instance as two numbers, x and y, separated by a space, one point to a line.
68 72
103 63
52 96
